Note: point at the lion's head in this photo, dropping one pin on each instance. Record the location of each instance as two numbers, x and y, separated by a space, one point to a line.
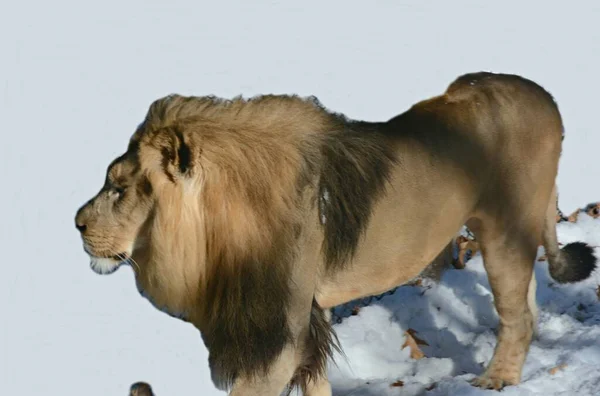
110 223
117 223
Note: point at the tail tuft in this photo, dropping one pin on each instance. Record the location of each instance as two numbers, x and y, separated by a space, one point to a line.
575 263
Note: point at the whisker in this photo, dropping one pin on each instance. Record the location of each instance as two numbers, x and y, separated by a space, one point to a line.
129 258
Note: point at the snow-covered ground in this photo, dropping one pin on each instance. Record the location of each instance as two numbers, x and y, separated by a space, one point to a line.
76 78
456 318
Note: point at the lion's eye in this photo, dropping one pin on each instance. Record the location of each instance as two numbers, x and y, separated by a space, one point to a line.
118 191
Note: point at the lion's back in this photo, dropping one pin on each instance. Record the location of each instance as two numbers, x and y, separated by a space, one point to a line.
484 107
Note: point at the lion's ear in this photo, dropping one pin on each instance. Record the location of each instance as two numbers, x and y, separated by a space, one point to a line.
168 149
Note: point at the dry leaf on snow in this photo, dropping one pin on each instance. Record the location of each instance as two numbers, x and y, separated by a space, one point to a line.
573 216
413 342
556 369
464 246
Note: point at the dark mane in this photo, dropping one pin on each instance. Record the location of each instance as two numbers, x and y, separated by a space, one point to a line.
356 166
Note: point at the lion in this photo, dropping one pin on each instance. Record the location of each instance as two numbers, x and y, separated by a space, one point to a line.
251 218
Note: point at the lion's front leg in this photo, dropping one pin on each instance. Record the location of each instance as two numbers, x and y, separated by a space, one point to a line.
318 387
278 379
274 382
302 362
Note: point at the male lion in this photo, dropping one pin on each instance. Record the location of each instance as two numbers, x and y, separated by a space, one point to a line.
250 218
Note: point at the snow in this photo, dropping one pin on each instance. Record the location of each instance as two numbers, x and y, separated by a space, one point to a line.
457 319
76 80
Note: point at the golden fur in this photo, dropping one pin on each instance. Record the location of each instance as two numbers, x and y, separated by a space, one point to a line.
248 218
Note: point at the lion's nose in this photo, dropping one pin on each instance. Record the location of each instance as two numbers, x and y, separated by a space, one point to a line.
81 219
81 227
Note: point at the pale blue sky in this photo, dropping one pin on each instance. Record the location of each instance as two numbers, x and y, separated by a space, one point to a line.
77 77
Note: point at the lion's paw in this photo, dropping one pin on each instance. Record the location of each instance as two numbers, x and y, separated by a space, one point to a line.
491 382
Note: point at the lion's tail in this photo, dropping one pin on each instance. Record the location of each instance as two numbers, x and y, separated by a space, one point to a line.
575 261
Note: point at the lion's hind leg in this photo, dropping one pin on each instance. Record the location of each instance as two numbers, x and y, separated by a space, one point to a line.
509 254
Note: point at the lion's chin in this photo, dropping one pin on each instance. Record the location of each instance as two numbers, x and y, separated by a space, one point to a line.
104 266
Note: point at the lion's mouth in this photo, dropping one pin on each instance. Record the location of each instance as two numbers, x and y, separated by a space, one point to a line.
93 253
119 257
